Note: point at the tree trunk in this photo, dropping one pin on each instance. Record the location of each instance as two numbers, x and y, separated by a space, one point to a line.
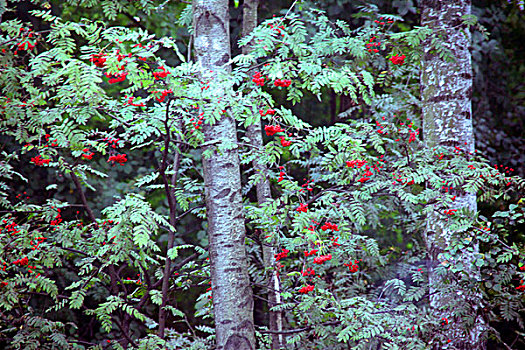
254 133
446 89
232 293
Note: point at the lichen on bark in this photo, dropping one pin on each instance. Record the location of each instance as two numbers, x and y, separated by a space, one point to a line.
446 89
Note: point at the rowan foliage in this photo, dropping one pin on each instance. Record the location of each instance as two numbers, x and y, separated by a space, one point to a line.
92 116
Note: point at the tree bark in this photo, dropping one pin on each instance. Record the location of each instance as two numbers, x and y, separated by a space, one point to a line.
254 133
446 90
232 293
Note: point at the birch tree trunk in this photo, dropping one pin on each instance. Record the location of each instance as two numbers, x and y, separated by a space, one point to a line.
446 90
232 293
254 133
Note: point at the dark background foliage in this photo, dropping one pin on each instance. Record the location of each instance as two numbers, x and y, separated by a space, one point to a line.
498 107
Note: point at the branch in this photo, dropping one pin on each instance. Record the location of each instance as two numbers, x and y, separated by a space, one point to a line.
137 23
73 250
125 334
178 266
83 196
299 330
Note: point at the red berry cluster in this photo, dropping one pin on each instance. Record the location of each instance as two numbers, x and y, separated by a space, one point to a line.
12 227
116 78
372 44
329 226
6 101
258 79
282 83
111 240
277 29
57 220
118 158
131 103
323 258
284 142
163 73
272 129
311 227
413 135
380 130
352 266
356 163
306 289
206 85
87 154
363 179
268 112
402 180
18 196
22 262
506 170
281 255
281 174
112 143
445 187
99 59
307 185
38 240
163 94
38 160
334 241
120 57
25 44
383 22
209 289
398 60
521 287
53 142
366 176
138 281
302 208
450 212
25 104
308 272
197 124
311 252
368 169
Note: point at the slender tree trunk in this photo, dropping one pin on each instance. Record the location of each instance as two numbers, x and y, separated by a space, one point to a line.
446 89
169 188
232 293
254 133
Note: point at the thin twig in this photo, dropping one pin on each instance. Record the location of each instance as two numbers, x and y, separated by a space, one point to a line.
299 330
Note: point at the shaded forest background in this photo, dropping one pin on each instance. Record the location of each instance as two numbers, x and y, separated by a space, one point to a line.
498 106
498 102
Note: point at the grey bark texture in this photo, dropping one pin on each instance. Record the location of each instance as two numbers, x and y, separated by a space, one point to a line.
254 133
232 293
446 90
